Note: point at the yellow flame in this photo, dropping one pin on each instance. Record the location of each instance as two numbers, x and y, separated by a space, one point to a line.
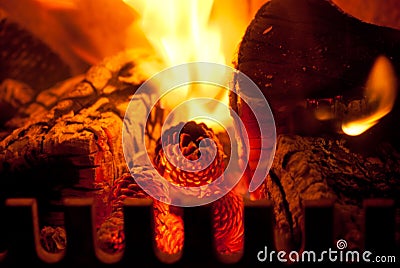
381 91
182 31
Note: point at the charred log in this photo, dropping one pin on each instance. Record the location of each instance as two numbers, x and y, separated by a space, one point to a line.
310 168
66 141
302 50
309 49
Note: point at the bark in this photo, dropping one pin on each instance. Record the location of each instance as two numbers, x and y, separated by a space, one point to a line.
310 168
14 95
299 50
309 49
67 140
371 11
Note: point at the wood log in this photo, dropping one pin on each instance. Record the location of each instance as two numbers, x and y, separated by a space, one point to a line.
375 12
309 49
314 168
67 141
296 50
14 96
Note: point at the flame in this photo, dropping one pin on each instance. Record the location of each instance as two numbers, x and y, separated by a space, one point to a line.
180 30
189 31
381 91
84 32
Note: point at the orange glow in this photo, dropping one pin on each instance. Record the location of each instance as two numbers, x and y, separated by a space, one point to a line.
183 31
57 4
323 114
84 32
380 91
189 31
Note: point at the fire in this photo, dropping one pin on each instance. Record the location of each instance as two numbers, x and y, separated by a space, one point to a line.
192 31
184 31
180 30
380 92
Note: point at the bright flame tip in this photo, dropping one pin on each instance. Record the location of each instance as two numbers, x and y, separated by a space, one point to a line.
381 93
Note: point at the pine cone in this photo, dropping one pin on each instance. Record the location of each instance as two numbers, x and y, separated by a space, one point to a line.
53 239
188 141
126 187
111 235
168 228
227 211
228 224
168 222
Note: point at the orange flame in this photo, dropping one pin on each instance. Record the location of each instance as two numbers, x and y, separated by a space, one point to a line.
84 32
189 31
380 91
179 32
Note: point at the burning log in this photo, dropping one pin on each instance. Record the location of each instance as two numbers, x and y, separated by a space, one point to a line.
302 52
67 142
314 168
309 50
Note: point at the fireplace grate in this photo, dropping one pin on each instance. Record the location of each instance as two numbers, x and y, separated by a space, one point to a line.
20 219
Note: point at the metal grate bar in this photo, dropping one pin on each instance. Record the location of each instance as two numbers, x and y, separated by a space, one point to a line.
23 246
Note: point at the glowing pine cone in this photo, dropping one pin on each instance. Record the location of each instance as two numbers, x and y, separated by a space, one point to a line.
188 141
228 224
168 222
111 234
124 187
53 239
168 228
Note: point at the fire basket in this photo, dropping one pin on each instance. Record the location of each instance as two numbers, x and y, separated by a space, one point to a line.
102 165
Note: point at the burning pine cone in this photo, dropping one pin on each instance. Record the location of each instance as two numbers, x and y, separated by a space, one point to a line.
188 141
227 211
228 224
111 234
168 222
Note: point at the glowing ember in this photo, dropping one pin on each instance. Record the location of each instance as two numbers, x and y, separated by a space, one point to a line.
188 141
228 224
380 91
